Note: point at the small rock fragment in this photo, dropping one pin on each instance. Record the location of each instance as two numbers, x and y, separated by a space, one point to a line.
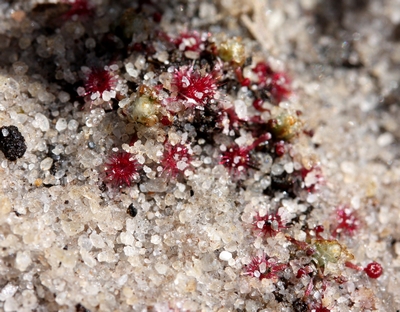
12 143
132 211
81 308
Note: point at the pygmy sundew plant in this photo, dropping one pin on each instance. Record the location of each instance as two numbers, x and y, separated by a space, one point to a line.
346 222
312 178
190 41
99 83
280 148
193 87
237 159
79 8
276 84
264 267
176 159
279 87
121 169
269 225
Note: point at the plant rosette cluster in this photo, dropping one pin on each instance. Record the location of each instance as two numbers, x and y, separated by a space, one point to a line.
207 103
201 82
320 263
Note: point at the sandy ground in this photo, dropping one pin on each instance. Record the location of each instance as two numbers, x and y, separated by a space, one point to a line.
294 223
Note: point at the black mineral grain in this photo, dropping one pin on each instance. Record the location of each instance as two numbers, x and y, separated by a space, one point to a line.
12 143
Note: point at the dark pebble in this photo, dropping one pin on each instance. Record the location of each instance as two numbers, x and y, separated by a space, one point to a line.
132 211
12 143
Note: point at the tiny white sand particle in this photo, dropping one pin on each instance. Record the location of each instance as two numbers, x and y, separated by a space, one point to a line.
181 187
199 95
46 164
181 165
155 239
207 160
186 82
225 255
114 67
94 96
288 167
385 139
108 95
61 124
161 268
141 159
